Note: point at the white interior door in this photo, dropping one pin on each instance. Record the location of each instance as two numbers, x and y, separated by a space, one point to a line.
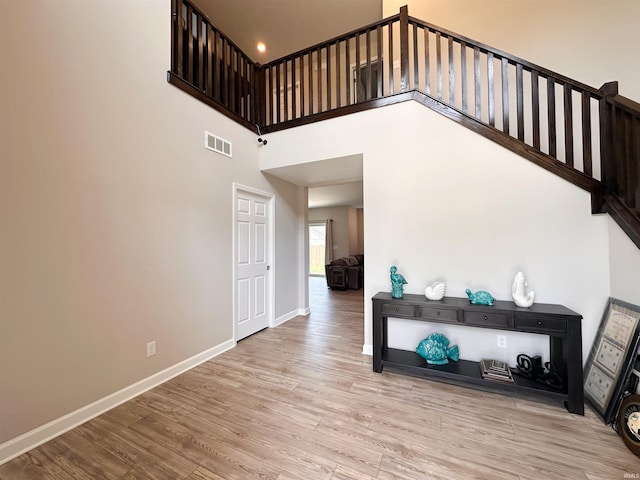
252 270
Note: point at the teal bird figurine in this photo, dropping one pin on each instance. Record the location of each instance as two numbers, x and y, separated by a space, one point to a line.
397 282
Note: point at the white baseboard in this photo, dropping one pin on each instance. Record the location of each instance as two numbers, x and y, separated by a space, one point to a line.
367 349
288 316
27 441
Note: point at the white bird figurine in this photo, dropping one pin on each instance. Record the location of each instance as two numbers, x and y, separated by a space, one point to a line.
435 291
521 298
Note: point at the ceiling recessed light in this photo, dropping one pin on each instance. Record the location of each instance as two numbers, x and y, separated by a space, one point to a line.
261 47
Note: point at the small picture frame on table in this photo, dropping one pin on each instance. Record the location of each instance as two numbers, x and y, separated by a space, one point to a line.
611 358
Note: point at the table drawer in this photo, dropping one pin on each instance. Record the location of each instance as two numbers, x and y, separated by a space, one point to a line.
439 314
541 324
487 319
389 310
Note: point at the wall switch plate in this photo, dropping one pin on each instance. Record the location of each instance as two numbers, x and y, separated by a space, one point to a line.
502 341
151 348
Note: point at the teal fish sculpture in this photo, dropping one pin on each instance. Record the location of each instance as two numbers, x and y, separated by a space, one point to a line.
435 350
480 297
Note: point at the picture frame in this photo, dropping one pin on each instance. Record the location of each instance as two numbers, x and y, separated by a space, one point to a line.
611 358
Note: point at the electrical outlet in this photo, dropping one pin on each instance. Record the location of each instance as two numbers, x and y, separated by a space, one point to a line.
151 348
502 341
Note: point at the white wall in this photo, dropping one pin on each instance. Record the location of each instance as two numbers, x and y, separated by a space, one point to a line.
443 202
115 222
593 42
624 258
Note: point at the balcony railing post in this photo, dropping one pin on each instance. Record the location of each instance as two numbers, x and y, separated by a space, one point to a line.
404 48
607 139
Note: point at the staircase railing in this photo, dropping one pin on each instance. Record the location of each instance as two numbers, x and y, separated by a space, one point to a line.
586 135
208 65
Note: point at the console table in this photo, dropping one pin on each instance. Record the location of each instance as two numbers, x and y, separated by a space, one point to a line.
561 325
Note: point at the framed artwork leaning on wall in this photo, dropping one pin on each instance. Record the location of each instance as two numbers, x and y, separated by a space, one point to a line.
611 359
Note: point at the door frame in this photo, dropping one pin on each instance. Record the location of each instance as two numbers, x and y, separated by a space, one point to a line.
270 200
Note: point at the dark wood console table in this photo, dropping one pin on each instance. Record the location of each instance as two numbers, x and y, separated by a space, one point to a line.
561 325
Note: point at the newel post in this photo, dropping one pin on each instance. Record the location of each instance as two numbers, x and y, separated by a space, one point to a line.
404 48
607 136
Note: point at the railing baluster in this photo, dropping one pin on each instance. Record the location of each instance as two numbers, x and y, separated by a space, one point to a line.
311 96
491 93
520 100
416 75
319 77
379 92
285 88
439 65
568 125
232 78
302 90
476 82
463 76
190 44
452 87
210 57
427 65
551 115
535 109
356 85
390 66
368 76
216 66
347 74
586 134
338 82
328 71
199 81
176 51
634 159
506 127
404 48
277 100
294 90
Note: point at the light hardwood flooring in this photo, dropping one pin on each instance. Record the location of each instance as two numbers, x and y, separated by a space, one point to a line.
300 401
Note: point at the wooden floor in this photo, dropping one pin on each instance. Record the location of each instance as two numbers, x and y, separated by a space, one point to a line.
300 401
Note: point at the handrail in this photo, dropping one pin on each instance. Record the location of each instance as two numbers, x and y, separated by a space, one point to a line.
584 134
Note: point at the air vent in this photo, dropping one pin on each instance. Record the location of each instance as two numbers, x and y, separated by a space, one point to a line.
217 144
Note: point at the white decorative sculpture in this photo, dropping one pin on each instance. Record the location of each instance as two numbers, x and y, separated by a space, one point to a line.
435 291
521 298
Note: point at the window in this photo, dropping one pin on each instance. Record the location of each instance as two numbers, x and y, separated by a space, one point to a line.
317 236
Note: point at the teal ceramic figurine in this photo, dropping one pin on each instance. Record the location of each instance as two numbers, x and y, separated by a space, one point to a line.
397 283
435 350
480 297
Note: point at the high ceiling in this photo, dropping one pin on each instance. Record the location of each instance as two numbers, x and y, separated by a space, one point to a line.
286 26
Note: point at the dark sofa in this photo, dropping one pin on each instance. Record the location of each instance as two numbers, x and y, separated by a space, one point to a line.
345 272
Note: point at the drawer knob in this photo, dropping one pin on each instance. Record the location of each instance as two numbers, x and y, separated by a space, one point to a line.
397 309
539 322
437 313
485 317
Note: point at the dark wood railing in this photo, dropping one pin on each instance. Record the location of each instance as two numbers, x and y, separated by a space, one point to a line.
586 135
209 66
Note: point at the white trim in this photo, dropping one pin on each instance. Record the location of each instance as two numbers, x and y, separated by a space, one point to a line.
270 197
367 349
300 312
27 441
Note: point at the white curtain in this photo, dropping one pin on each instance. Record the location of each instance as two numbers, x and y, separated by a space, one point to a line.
328 241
